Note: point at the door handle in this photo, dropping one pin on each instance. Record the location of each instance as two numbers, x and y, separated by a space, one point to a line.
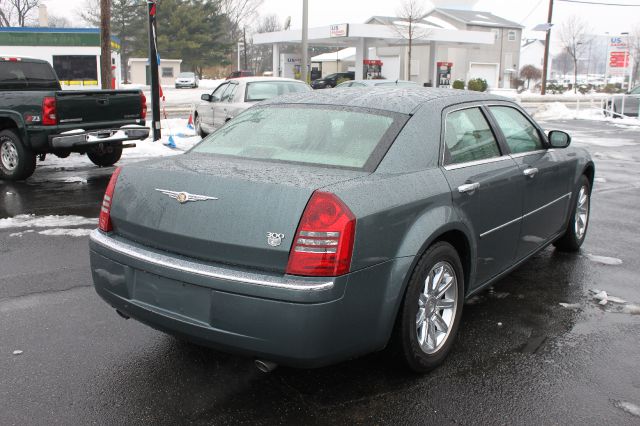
468 187
530 172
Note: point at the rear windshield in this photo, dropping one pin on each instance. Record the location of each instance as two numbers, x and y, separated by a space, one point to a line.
27 75
327 136
262 90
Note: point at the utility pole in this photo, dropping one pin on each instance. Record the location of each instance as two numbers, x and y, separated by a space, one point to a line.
153 65
105 44
547 42
305 40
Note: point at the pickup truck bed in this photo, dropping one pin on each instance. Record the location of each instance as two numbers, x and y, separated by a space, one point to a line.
38 118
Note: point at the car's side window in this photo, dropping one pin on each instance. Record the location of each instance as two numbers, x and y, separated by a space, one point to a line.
468 137
230 93
219 90
519 132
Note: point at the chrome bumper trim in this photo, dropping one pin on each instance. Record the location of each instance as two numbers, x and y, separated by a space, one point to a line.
94 137
202 269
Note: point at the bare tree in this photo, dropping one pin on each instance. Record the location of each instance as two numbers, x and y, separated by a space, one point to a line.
634 51
5 14
575 38
240 14
262 55
410 26
58 21
23 9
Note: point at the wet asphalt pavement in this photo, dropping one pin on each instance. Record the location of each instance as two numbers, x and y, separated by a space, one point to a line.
520 357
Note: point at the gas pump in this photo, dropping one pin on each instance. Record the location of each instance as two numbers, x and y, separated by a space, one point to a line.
444 74
372 69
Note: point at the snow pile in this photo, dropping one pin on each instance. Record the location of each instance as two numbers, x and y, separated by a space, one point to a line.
603 298
612 261
628 407
72 232
210 84
33 221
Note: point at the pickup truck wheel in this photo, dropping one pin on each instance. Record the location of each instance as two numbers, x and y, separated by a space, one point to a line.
17 162
105 156
430 313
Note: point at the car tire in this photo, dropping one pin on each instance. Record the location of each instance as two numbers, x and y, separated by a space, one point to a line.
422 340
105 156
198 127
17 162
576 230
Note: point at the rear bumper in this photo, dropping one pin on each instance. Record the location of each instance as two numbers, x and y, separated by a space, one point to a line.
85 139
297 321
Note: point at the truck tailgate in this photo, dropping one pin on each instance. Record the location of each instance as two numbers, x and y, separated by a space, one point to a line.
93 106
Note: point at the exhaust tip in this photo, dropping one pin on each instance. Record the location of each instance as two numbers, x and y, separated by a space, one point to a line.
123 315
265 366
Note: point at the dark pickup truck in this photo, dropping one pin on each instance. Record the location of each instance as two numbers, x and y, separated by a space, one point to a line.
38 118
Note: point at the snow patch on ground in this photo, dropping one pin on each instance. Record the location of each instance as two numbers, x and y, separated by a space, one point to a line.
74 179
559 111
631 309
573 306
604 259
68 232
628 407
33 221
174 129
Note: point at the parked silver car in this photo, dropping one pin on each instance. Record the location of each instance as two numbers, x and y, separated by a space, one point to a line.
236 95
627 104
187 79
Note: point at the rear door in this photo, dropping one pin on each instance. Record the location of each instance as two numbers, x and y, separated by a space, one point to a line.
544 176
485 187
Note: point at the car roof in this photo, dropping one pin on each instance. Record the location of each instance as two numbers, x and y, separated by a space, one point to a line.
373 82
255 79
404 100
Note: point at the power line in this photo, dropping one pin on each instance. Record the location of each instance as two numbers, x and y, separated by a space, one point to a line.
596 3
532 10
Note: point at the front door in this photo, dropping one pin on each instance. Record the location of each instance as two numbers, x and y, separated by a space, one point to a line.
485 189
546 181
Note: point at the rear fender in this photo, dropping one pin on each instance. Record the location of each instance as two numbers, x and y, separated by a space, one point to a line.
13 120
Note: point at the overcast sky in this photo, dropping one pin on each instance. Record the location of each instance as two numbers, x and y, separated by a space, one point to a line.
526 12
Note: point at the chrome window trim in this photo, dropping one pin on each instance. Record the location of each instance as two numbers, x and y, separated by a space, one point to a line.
476 162
204 270
497 228
537 151
470 105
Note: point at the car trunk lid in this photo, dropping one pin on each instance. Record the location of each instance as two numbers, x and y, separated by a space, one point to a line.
249 200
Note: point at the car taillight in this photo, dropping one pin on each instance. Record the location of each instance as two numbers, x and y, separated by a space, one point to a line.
49 113
143 106
104 222
323 243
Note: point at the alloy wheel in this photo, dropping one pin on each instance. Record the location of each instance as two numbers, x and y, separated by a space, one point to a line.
437 307
582 213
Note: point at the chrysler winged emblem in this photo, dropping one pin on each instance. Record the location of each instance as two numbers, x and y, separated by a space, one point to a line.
274 239
184 197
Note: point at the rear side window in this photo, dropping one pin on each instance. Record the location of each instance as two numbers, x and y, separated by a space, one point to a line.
262 90
520 134
326 136
27 75
468 137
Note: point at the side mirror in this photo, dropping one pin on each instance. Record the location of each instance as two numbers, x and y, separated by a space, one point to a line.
559 139
206 97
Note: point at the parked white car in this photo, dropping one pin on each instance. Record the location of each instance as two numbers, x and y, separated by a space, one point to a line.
238 94
187 79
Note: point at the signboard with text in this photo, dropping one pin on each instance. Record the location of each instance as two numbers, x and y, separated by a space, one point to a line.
339 30
618 58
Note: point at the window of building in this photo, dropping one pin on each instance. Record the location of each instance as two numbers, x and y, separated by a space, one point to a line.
167 72
76 67
511 35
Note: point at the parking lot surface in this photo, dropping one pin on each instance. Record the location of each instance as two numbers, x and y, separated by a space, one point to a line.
536 348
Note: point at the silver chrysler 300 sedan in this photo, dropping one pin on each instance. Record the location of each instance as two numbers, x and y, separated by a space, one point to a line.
320 226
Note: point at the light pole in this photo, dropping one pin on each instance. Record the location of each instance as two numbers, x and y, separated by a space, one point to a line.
305 40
